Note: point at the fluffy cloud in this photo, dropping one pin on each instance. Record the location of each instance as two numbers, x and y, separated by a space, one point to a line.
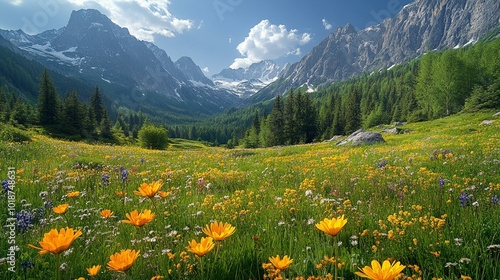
15 2
326 24
143 18
269 41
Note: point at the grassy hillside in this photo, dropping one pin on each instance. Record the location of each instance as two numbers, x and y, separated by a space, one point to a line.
429 199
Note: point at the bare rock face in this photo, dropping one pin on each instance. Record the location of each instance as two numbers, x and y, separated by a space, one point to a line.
361 137
420 27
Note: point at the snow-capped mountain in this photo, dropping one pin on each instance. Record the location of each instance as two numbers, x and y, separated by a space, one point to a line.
245 82
192 71
134 73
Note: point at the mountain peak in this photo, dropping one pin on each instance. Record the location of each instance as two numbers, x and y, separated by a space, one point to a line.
348 29
419 27
85 17
192 71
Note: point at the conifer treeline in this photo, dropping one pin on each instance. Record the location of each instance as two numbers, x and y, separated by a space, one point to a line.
63 117
434 86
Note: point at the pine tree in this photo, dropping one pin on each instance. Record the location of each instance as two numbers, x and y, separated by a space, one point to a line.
276 123
106 126
352 113
48 102
19 115
97 105
290 116
256 122
89 122
73 116
338 125
310 128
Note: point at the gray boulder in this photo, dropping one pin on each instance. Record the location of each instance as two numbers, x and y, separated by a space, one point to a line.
496 114
394 130
362 137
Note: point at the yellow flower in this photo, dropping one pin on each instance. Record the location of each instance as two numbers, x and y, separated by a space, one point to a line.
436 253
200 249
93 271
463 277
120 194
123 260
56 242
73 194
332 226
139 219
157 277
219 231
149 190
163 194
387 271
60 209
279 263
106 213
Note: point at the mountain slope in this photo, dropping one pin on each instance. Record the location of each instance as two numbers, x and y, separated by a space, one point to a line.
421 26
133 73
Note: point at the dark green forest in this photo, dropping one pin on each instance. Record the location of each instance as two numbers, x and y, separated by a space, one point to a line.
433 86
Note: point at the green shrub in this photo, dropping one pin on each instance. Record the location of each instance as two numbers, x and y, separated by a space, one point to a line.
152 137
484 98
12 134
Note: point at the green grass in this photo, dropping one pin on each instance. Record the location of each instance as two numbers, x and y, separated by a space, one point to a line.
390 193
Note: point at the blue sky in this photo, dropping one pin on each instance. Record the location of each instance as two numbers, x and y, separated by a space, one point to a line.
216 34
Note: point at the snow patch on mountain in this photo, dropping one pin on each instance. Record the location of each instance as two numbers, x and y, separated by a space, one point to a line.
51 54
245 82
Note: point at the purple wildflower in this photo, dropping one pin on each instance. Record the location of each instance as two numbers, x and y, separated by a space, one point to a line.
441 182
25 220
382 163
465 199
105 179
124 175
495 199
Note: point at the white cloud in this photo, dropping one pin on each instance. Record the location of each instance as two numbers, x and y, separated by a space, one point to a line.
15 2
269 41
205 69
143 18
326 24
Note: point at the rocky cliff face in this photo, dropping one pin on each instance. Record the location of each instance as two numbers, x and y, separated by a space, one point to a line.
421 26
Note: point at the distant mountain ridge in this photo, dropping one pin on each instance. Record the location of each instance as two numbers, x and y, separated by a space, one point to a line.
421 26
245 82
134 73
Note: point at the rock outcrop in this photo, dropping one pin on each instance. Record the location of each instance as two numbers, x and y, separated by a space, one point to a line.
362 137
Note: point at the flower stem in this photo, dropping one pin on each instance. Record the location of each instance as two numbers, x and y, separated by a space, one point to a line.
58 269
335 253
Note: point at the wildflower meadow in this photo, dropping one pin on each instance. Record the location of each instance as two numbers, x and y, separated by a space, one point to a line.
422 205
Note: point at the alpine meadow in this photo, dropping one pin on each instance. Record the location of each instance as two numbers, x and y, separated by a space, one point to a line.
427 199
333 140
